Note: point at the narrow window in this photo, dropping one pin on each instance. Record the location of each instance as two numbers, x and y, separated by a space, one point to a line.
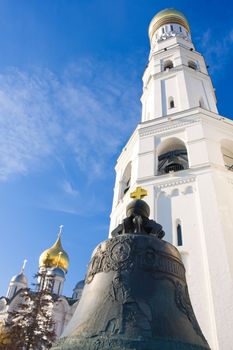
179 235
171 27
172 104
180 29
163 30
59 288
50 284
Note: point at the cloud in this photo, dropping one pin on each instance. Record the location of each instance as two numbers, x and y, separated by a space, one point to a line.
215 48
69 189
86 112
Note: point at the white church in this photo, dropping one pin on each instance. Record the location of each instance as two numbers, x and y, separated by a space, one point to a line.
53 264
182 154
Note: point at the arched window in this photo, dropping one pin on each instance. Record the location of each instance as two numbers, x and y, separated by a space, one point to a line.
59 288
49 285
126 181
171 102
192 64
179 234
227 153
127 186
167 65
172 156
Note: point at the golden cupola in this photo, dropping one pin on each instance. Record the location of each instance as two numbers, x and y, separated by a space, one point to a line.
167 16
55 256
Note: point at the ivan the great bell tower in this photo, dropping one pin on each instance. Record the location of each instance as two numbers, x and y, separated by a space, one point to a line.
182 154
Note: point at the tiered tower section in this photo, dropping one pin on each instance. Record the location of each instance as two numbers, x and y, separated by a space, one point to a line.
182 154
176 78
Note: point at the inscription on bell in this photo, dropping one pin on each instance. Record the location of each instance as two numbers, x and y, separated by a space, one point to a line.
120 252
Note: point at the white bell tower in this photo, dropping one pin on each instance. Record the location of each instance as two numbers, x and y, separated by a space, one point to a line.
176 78
182 154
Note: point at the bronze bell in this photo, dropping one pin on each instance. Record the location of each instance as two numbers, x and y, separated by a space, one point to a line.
135 294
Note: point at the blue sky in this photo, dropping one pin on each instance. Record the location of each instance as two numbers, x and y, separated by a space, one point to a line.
70 84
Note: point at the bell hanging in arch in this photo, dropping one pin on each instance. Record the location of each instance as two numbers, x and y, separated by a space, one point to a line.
135 294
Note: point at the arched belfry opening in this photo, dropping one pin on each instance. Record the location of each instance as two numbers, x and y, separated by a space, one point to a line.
172 156
126 180
193 65
168 65
227 153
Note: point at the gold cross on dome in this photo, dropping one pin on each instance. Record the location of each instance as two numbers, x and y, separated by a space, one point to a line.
139 193
60 230
24 264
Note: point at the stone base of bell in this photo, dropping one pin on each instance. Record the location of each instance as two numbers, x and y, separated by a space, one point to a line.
109 343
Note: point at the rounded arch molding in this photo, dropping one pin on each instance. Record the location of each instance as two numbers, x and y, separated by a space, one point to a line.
172 156
125 180
227 153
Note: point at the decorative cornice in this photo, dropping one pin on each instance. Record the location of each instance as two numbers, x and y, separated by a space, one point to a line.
172 124
175 182
171 72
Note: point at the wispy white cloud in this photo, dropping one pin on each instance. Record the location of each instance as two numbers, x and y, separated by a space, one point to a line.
28 126
69 189
87 111
216 48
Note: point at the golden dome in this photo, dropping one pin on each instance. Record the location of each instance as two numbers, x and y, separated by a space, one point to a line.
55 256
165 17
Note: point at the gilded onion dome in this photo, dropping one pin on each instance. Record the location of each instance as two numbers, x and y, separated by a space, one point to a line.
167 16
55 256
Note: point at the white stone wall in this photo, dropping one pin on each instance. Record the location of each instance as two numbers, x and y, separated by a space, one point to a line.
200 198
62 313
